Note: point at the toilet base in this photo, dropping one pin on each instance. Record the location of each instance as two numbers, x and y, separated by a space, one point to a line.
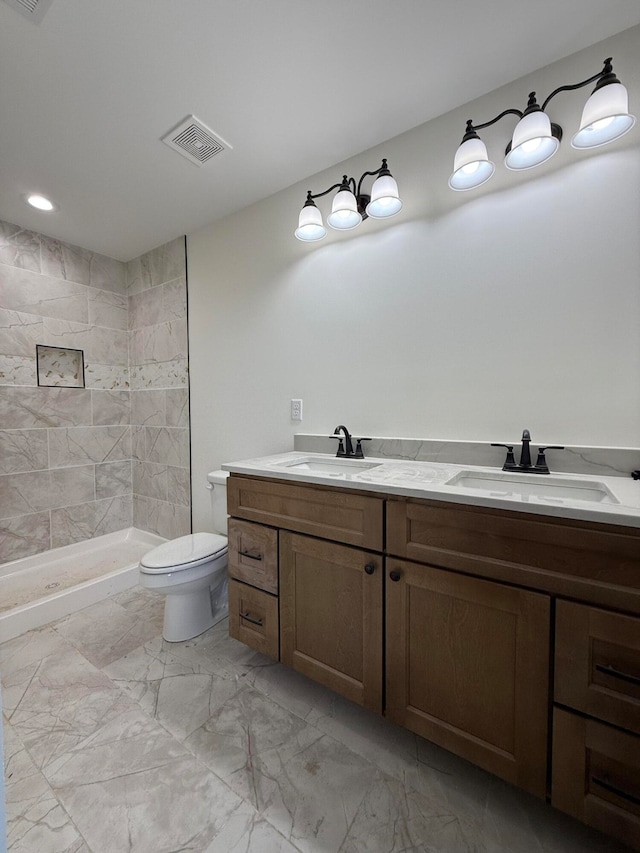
188 615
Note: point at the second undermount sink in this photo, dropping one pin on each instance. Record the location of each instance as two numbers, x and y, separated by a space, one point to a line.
331 465
537 487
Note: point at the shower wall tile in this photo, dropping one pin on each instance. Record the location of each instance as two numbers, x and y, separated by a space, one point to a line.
101 345
19 333
113 478
167 374
85 521
19 247
145 308
108 377
150 480
167 262
36 491
174 299
165 519
177 407
108 274
17 370
148 408
167 445
23 290
24 536
23 450
108 309
179 486
111 407
138 443
64 261
23 408
79 445
138 274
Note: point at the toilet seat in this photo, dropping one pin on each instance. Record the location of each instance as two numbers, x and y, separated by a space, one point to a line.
187 552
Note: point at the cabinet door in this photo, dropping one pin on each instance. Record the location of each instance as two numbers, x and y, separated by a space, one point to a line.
468 668
331 616
596 775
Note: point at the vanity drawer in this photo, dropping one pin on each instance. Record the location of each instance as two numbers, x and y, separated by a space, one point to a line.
253 618
597 663
596 775
326 513
253 554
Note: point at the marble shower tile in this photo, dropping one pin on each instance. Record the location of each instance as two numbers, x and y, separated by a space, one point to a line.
85 521
19 247
141 790
145 308
138 274
167 374
165 519
18 370
24 536
78 445
111 407
101 345
108 309
35 819
158 680
148 408
150 480
106 376
177 407
19 333
179 486
64 261
35 491
107 273
31 293
174 299
106 631
164 342
24 408
113 478
23 450
168 445
167 262
138 443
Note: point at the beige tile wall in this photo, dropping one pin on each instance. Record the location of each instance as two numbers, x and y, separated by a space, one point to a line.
76 463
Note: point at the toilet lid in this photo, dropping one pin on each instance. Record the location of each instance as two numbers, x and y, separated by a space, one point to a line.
185 551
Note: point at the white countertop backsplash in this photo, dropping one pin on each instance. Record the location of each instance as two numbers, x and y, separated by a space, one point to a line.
412 468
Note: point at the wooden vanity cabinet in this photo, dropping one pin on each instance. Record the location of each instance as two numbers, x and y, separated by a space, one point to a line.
468 668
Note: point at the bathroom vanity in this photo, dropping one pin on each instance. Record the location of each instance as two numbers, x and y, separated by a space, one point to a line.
505 629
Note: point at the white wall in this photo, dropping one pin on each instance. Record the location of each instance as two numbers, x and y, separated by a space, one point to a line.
468 316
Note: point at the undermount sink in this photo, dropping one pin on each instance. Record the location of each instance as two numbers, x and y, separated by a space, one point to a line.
333 466
538 487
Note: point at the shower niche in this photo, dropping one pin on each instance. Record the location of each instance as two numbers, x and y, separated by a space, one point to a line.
60 367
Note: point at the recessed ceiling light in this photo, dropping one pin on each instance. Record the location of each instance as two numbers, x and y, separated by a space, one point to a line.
40 202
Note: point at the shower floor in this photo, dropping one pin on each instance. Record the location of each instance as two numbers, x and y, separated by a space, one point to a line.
47 586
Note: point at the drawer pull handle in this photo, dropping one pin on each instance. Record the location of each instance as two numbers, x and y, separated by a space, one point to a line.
617 791
623 676
253 621
251 556
370 568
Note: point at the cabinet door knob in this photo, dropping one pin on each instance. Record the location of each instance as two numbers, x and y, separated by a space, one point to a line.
395 576
370 568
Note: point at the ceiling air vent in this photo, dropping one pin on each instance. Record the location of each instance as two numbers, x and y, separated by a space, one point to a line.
32 10
195 141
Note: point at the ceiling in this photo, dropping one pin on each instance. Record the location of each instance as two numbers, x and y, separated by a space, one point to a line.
293 85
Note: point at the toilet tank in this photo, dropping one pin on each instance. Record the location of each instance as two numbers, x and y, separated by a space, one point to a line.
218 487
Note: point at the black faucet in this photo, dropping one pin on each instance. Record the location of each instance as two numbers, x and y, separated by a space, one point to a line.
525 465
345 450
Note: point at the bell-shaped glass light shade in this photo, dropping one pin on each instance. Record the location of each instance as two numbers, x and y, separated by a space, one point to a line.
532 142
344 211
310 227
471 166
385 200
605 117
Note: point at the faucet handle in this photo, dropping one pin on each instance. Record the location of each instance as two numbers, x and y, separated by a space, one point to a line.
340 445
541 466
510 462
359 454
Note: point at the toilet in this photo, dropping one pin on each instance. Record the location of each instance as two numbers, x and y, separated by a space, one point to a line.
192 572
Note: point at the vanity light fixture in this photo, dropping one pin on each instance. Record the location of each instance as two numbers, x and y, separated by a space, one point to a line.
350 205
536 138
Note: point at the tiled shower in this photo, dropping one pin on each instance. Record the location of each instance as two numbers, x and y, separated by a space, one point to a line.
77 462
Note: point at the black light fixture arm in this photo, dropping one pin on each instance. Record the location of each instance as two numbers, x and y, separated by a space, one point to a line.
471 127
383 170
607 72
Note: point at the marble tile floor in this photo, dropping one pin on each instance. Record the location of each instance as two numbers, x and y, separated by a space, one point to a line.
116 741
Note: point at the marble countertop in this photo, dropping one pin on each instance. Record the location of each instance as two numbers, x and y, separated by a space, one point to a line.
617 499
